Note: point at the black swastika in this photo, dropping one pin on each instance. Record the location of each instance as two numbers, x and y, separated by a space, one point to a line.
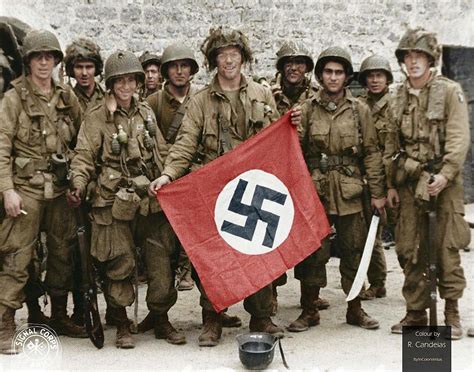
254 213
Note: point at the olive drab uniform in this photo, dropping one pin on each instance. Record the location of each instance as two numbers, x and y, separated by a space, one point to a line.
433 137
202 128
123 216
86 102
345 137
36 134
286 101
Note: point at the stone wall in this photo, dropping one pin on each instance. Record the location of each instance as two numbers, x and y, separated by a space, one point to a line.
363 26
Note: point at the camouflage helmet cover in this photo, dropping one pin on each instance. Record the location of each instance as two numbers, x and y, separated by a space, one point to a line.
41 41
83 49
122 63
291 49
420 40
218 38
375 62
175 52
336 54
148 58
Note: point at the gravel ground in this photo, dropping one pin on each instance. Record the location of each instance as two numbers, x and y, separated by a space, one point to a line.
331 346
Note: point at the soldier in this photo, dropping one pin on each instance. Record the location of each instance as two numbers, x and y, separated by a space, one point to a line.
218 118
340 145
39 120
376 75
151 64
293 87
121 142
432 121
83 63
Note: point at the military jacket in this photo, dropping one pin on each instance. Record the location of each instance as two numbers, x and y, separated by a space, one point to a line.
169 111
34 130
284 103
88 102
433 125
210 123
346 137
116 169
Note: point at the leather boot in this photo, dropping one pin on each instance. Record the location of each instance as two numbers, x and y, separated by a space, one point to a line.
35 315
212 328
124 339
230 321
470 332
357 316
60 322
310 315
274 300
165 331
322 303
78 313
146 324
186 283
372 293
451 318
411 319
7 331
265 325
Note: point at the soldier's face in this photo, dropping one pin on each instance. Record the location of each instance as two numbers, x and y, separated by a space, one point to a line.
124 87
229 63
152 76
333 77
376 81
179 72
417 64
294 70
42 65
84 72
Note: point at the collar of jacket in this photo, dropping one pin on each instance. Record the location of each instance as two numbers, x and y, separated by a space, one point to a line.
97 90
428 84
169 97
320 100
216 90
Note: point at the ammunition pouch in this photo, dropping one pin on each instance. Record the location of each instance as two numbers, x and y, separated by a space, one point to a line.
140 185
27 167
331 162
125 205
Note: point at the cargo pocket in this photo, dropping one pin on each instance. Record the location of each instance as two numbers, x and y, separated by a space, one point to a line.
457 234
108 181
351 187
319 133
210 137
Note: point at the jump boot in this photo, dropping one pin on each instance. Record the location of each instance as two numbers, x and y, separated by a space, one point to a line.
451 318
212 328
413 318
186 282
35 315
372 293
78 313
7 331
165 331
310 315
123 338
60 322
266 325
357 316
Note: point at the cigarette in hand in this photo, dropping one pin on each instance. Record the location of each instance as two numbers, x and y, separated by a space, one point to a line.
22 211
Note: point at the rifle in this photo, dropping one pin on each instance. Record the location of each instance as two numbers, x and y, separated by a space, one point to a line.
88 287
432 256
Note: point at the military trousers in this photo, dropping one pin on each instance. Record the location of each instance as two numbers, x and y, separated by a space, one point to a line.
312 270
412 240
18 240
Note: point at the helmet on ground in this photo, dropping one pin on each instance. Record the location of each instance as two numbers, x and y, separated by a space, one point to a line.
122 63
291 49
375 62
83 49
420 40
41 41
176 52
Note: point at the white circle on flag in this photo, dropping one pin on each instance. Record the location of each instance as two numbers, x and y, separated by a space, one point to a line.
254 212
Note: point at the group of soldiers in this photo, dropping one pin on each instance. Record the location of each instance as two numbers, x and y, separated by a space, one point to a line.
66 149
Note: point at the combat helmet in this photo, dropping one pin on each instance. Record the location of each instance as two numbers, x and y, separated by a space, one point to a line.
291 49
41 41
122 63
175 52
218 38
421 40
336 54
83 49
375 62
148 58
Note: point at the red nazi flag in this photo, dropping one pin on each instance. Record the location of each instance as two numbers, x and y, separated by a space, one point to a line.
248 216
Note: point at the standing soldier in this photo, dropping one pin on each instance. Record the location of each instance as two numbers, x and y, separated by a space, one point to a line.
340 145
39 120
376 75
218 118
432 120
151 64
293 87
121 142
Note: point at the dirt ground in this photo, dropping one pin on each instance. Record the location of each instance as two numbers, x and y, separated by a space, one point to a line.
331 346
